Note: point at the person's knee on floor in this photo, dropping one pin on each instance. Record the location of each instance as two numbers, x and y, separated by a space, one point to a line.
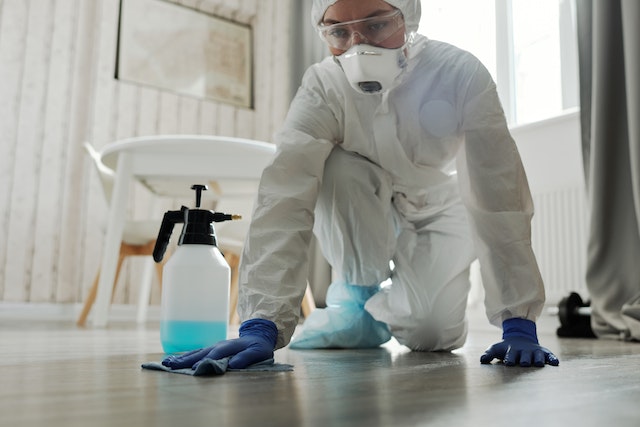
430 333
424 316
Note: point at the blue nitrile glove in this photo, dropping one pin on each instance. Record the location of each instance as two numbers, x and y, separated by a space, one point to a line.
256 343
519 346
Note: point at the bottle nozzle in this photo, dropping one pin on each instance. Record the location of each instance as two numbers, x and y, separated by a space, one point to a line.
219 217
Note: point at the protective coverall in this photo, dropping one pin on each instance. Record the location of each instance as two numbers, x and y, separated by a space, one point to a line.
426 175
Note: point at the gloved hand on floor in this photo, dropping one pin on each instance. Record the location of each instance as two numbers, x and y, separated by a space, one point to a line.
519 345
344 323
256 344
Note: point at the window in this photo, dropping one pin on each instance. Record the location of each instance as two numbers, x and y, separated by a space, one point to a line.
529 47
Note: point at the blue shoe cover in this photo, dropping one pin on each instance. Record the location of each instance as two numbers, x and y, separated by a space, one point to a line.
344 323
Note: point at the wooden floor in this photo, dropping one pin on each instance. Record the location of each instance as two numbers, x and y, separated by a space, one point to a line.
53 374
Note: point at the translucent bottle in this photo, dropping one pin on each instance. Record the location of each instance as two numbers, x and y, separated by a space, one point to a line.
195 282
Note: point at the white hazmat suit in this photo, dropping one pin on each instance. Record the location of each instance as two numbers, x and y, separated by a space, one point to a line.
425 174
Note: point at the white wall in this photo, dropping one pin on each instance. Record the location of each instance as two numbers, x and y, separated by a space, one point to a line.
57 62
551 152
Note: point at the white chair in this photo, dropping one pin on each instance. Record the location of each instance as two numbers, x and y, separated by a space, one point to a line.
138 239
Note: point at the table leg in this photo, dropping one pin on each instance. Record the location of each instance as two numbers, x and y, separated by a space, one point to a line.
112 239
145 290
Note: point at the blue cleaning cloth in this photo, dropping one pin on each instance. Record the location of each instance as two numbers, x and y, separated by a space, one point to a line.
219 367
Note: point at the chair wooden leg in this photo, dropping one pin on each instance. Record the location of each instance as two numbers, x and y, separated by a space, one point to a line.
88 303
159 267
121 257
91 297
233 261
308 302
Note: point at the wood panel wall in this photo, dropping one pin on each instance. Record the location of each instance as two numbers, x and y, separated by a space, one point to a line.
57 90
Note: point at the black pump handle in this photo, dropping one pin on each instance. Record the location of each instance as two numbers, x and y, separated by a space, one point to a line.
199 189
169 219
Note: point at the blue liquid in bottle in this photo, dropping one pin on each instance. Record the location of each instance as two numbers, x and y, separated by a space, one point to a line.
185 335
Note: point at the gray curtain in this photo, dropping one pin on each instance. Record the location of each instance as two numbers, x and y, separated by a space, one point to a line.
609 58
306 46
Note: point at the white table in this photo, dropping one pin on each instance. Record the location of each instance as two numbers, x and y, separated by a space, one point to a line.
168 165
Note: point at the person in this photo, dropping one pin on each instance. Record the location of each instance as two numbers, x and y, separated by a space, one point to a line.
395 148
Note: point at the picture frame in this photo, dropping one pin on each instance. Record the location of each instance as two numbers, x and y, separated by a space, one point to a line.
172 47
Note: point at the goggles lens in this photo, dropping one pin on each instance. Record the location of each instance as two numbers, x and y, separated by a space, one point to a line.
374 30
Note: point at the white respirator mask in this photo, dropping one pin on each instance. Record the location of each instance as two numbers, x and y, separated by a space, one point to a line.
369 68
372 69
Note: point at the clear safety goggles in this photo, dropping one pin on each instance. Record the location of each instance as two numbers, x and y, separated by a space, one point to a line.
373 30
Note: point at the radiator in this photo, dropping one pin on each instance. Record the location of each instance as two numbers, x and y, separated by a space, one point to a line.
559 240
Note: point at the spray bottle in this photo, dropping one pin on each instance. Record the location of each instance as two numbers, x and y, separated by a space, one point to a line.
195 283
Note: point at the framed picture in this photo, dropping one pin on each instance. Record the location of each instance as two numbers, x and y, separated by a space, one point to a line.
176 48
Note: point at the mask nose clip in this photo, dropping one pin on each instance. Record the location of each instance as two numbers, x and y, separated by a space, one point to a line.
357 38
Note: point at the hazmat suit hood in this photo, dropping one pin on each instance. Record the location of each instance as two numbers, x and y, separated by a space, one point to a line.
410 11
